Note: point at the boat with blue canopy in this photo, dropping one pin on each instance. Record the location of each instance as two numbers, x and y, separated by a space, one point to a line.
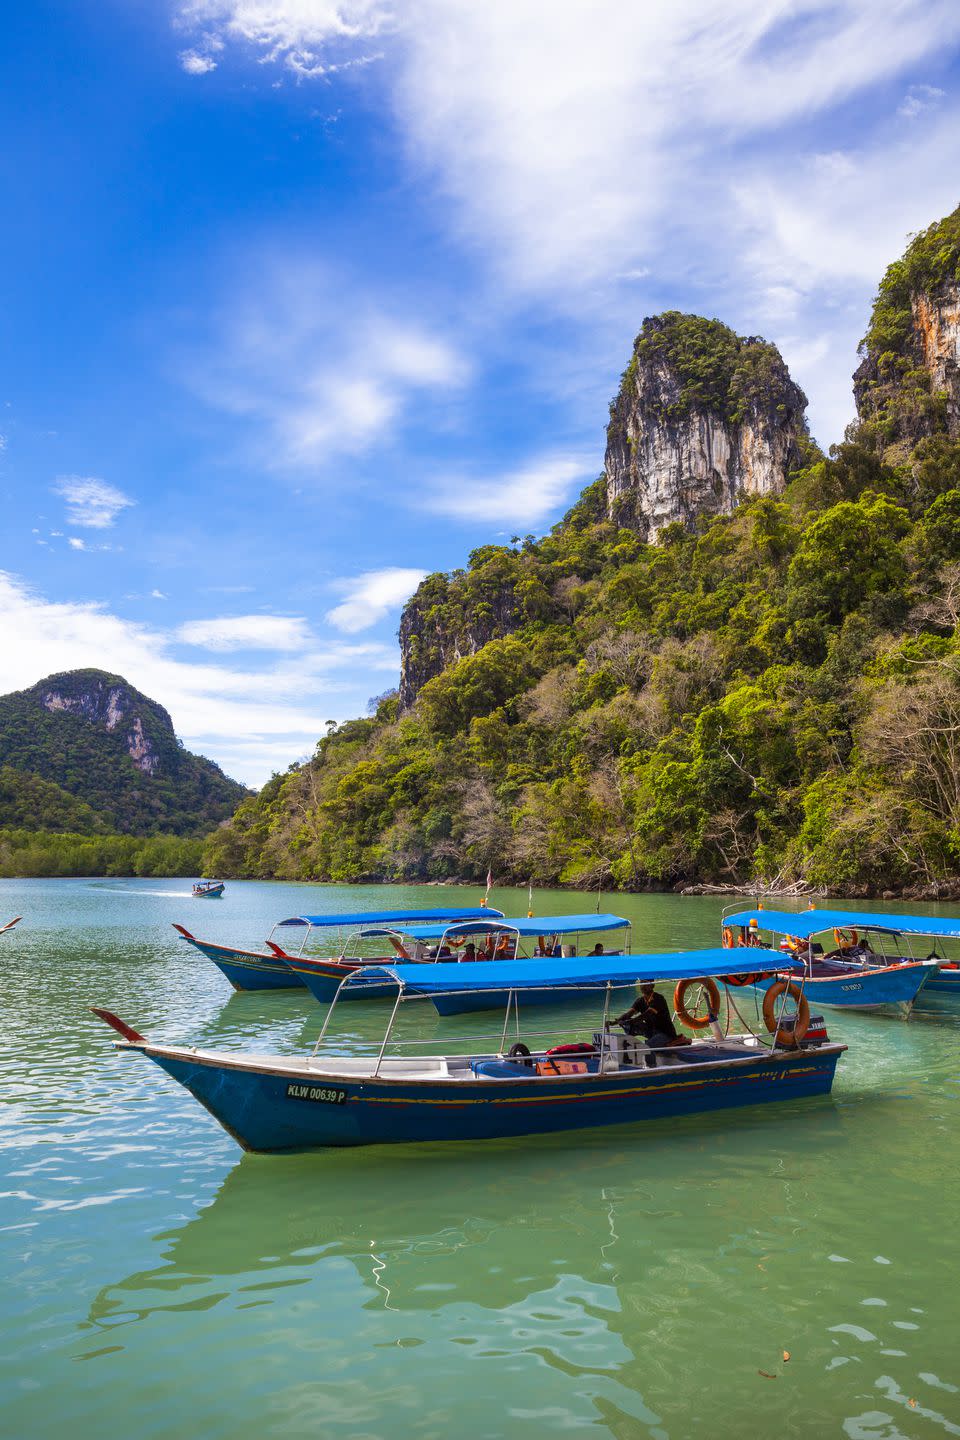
850 973
208 889
397 1093
545 938
269 970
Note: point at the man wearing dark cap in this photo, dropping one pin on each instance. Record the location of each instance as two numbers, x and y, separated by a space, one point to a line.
649 1016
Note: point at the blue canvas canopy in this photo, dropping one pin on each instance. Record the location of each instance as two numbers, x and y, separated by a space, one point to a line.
386 917
812 922
590 972
539 925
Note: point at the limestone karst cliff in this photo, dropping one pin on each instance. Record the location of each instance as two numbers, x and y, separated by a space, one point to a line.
702 417
907 386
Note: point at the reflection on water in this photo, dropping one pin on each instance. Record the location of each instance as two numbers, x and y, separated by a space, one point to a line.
609 1283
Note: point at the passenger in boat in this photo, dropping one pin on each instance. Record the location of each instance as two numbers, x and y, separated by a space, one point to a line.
649 1016
597 949
469 951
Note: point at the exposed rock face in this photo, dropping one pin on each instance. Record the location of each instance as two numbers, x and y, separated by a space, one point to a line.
108 703
914 391
703 417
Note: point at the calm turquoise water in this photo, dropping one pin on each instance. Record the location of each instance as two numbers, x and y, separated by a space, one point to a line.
599 1284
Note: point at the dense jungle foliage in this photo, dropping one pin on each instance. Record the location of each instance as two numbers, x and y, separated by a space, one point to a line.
65 771
31 853
773 697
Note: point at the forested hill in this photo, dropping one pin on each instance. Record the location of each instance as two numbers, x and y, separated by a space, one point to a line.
770 692
84 752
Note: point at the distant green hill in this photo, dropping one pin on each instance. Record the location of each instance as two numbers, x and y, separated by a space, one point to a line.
85 752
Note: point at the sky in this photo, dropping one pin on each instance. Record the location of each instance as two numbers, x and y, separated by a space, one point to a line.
302 300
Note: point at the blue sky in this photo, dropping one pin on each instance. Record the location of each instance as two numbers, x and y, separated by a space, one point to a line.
304 299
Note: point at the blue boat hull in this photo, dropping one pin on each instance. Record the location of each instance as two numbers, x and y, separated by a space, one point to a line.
941 994
285 1110
323 979
246 969
893 989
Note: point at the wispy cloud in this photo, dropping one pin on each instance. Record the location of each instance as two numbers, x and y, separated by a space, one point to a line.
311 38
91 502
919 98
325 368
246 632
565 143
521 497
371 596
195 63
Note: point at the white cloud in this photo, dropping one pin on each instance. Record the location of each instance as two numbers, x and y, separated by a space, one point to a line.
248 719
577 145
194 63
328 369
91 502
371 596
919 98
523 497
301 34
246 632
565 133
76 543
157 595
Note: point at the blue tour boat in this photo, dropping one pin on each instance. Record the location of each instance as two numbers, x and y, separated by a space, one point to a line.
270 970
487 938
280 1102
850 975
208 889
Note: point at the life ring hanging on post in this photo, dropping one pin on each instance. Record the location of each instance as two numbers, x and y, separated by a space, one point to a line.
737 980
691 1018
773 1019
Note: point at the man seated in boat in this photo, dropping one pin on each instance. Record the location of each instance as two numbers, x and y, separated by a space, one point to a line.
649 1016
597 949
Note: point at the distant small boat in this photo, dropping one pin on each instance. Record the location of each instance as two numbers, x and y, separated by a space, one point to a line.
208 889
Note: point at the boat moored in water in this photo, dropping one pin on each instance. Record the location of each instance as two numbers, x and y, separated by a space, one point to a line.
270 969
208 889
277 1102
551 939
852 974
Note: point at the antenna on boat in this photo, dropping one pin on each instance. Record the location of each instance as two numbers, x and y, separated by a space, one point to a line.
529 899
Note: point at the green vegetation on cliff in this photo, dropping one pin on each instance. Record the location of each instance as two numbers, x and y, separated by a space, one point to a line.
931 260
717 370
774 694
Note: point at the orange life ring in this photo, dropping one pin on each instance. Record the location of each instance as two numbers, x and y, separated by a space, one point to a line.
693 1020
802 1022
728 938
738 980
846 939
